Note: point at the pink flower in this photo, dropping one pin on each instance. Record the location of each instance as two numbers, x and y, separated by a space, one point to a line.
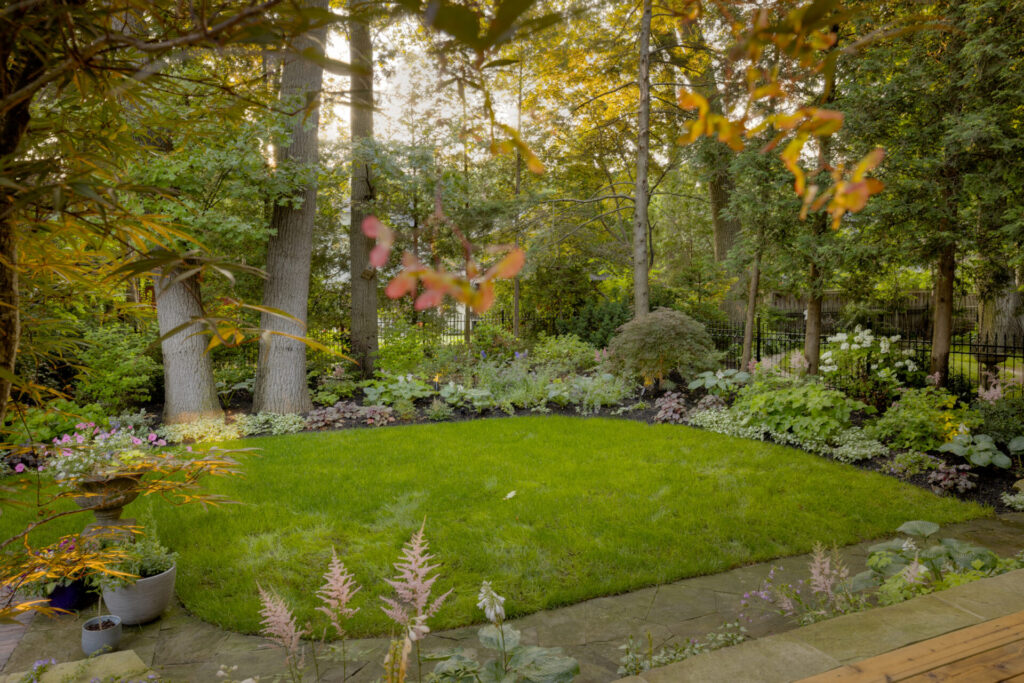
81 425
151 437
20 467
279 625
338 589
40 468
161 442
136 441
411 608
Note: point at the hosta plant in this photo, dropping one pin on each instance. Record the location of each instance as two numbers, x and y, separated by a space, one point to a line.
723 383
978 449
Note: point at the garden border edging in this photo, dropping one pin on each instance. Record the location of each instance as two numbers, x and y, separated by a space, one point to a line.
830 644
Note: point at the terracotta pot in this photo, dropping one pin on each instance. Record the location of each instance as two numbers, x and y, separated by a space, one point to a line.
108 495
143 601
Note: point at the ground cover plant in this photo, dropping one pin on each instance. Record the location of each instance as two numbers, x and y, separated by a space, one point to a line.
552 510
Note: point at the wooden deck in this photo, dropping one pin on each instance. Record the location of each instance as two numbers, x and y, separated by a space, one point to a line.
988 652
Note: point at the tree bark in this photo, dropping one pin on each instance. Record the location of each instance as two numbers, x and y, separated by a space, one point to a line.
720 186
942 325
641 283
281 371
364 277
10 318
748 325
189 390
812 327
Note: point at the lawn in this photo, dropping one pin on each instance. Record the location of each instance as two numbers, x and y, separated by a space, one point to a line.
601 506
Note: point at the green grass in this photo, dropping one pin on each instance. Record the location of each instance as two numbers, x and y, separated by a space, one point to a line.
602 506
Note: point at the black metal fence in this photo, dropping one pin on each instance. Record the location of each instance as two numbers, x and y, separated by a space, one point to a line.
972 356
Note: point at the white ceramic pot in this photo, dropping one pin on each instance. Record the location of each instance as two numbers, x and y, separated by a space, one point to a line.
144 601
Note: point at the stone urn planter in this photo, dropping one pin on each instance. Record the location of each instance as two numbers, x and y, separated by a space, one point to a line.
101 634
143 601
107 496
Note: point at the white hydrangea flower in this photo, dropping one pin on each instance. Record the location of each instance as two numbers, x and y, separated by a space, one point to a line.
844 347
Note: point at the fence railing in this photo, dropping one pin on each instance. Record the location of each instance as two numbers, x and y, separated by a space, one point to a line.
970 358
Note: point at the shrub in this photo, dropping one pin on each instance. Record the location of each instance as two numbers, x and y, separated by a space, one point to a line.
1002 419
596 321
661 343
233 379
868 368
565 354
723 383
911 463
923 419
807 410
447 361
589 393
405 410
387 390
401 349
439 411
853 445
43 423
493 342
206 429
1014 501
270 423
118 373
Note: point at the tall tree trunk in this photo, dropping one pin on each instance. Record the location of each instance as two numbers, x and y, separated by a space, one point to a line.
13 124
518 186
364 277
189 389
720 187
812 327
641 283
942 325
281 372
10 318
751 315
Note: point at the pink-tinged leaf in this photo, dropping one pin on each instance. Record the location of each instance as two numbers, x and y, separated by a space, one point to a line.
372 227
379 255
507 267
429 299
400 286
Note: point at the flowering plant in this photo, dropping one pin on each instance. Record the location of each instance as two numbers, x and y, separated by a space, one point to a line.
91 452
867 367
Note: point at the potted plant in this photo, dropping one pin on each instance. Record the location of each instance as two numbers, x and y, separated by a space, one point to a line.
143 587
59 576
105 466
101 634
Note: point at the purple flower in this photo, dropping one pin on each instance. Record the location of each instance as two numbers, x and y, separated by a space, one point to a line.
137 441
20 467
151 437
161 442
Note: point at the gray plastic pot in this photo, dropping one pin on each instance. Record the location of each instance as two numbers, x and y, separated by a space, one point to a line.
144 601
94 642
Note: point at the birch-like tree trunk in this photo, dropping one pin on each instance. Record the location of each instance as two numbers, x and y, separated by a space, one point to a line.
364 277
281 372
641 265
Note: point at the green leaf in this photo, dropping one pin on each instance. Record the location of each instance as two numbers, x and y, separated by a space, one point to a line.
491 638
1017 445
918 528
543 665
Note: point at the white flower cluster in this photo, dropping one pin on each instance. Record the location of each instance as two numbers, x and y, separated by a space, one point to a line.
863 339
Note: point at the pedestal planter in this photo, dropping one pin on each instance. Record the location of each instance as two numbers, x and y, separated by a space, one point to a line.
106 497
101 634
144 601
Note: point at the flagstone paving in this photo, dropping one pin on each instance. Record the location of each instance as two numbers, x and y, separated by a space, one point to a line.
180 647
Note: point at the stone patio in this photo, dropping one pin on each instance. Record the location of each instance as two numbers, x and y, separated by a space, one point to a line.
180 647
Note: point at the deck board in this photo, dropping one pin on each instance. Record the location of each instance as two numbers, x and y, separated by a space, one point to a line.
991 651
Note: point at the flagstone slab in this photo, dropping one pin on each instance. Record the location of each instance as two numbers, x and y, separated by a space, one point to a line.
121 665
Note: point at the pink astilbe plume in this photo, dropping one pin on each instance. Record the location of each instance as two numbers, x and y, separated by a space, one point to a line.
412 607
338 589
280 627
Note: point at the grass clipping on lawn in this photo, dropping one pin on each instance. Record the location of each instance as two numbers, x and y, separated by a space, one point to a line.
601 506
